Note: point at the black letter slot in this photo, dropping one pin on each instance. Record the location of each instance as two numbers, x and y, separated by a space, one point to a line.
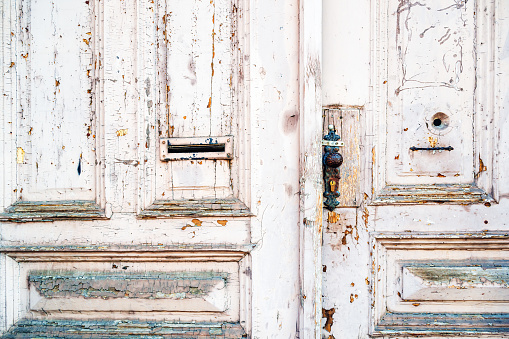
207 148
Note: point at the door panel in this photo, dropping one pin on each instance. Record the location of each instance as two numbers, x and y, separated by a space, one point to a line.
49 98
100 235
425 252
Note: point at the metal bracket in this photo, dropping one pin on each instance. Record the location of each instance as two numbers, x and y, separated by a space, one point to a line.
331 143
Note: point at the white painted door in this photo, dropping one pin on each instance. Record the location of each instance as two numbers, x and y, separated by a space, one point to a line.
419 245
160 169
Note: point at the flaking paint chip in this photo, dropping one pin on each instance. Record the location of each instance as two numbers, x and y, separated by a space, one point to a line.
122 132
20 155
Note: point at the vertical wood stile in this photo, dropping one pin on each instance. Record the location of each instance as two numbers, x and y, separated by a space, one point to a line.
310 167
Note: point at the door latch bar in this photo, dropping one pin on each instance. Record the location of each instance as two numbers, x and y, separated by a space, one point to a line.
448 148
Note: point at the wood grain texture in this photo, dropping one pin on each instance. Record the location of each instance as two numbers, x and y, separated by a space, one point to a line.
348 126
197 208
133 329
25 211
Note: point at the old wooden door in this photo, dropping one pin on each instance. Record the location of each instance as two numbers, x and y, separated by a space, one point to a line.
160 169
419 246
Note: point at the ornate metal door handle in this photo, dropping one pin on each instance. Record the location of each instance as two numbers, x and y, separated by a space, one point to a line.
331 162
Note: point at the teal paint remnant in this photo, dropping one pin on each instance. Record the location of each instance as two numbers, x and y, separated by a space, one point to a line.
116 329
147 285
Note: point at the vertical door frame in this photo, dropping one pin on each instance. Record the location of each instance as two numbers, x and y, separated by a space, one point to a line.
310 70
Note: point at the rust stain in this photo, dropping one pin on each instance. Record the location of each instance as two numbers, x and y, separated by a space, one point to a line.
432 141
25 55
339 106
349 230
122 132
328 314
333 217
367 281
365 216
210 103
20 155
351 298
352 284
222 222
12 64
482 168
196 222
416 304
57 83
30 131
396 157
440 175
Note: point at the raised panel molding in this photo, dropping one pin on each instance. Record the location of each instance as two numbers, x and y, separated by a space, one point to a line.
53 149
407 95
440 284
91 329
24 211
154 290
191 60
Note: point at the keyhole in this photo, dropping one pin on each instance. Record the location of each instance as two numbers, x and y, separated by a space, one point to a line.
439 121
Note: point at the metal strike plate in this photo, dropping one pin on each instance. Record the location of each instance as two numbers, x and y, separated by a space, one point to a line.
198 148
331 143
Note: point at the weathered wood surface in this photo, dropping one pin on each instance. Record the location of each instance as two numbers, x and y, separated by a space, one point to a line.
447 211
88 89
198 208
24 211
310 158
121 329
348 126
138 72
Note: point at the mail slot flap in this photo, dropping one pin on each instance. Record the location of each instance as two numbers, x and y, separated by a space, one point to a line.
206 148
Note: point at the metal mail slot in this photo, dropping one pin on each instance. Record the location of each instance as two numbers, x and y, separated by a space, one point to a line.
196 148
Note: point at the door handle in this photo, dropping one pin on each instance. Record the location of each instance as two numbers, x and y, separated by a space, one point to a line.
331 159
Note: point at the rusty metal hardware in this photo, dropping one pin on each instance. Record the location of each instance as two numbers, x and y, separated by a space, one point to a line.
331 162
448 148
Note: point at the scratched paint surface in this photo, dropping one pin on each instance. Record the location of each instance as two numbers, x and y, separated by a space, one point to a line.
121 329
432 65
158 68
199 37
270 77
412 263
181 285
56 118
